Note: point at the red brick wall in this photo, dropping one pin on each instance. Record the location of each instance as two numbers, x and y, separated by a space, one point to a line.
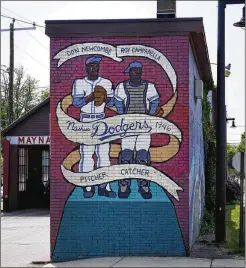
176 49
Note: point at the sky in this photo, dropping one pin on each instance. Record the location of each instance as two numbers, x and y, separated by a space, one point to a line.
32 46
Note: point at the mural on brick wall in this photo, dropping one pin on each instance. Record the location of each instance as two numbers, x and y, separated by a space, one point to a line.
138 114
114 120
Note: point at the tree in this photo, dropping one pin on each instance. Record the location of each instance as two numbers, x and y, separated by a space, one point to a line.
232 185
231 151
45 94
25 94
241 146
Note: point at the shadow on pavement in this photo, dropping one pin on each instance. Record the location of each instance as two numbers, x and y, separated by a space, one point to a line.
27 213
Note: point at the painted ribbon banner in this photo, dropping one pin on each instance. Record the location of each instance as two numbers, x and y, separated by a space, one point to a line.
120 172
86 49
116 53
151 53
113 128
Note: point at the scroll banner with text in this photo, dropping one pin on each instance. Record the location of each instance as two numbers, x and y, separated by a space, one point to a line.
115 53
119 126
113 128
121 172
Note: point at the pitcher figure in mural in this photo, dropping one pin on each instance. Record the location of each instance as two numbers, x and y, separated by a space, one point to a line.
136 96
90 94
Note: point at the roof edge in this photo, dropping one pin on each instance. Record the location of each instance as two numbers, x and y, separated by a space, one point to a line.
207 52
124 20
25 116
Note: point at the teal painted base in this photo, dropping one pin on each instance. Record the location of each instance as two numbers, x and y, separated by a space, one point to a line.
100 226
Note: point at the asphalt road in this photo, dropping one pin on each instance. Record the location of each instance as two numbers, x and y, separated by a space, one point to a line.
24 238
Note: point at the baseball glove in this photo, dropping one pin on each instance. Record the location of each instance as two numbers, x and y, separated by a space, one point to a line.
159 111
100 95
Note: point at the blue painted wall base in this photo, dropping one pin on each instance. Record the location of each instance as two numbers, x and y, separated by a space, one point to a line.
99 226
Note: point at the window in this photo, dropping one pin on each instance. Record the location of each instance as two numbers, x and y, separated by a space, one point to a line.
23 168
45 166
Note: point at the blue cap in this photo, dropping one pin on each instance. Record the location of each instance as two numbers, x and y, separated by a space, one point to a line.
134 64
93 59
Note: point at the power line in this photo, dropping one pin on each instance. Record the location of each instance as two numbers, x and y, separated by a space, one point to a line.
33 24
15 14
32 57
24 19
34 38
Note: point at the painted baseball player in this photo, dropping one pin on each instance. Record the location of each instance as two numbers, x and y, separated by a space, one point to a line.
136 96
90 94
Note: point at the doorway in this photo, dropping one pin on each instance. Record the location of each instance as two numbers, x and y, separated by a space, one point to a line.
33 177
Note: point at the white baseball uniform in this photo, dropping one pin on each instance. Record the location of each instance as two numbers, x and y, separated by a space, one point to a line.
89 112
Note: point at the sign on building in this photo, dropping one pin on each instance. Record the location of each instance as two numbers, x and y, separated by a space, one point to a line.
29 140
236 162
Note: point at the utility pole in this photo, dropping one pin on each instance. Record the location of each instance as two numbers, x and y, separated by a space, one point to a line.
11 74
220 212
11 67
220 130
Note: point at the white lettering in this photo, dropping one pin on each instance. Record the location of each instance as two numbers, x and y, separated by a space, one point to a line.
115 174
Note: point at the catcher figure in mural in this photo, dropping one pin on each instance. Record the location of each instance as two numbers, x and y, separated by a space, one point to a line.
136 96
90 94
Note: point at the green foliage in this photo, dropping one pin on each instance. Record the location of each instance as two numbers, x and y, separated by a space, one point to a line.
233 173
25 94
210 161
232 228
232 190
231 151
45 94
210 151
241 146
208 221
208 224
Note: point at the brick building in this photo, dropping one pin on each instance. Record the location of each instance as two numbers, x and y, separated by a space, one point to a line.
26 160
127 162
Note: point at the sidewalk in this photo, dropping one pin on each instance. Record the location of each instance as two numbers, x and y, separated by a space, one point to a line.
205 253
24 237
150 262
